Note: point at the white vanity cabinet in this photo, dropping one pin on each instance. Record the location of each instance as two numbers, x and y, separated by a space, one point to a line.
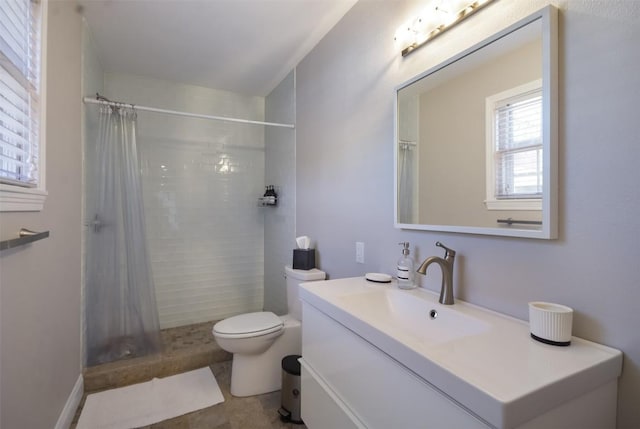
372 358
345 375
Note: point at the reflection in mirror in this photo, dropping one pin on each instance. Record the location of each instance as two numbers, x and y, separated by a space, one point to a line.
475 145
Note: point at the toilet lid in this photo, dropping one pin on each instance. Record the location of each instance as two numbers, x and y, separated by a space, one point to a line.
249 324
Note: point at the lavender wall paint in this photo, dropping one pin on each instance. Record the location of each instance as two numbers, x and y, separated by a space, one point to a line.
344 167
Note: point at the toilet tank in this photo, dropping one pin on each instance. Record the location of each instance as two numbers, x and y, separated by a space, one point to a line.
294 278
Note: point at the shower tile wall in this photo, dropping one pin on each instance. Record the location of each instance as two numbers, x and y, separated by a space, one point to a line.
201 180
280 221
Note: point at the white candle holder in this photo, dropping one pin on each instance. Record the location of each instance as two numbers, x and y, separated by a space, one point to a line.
550 323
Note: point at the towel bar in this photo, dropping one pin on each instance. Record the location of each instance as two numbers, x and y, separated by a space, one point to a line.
25 236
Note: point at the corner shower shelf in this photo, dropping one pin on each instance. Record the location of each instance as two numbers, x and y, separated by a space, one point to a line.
25 236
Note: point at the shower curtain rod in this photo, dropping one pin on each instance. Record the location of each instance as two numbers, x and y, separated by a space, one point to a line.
90 100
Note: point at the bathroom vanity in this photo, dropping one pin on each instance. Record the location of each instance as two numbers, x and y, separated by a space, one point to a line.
375 356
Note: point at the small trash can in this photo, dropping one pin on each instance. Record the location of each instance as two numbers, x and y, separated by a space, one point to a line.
290 403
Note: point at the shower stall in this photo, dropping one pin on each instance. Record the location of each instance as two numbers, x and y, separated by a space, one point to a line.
204 233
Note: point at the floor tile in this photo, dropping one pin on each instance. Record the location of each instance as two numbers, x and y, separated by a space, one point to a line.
253 412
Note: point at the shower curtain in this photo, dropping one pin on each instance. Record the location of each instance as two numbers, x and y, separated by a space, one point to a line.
120 305
406 182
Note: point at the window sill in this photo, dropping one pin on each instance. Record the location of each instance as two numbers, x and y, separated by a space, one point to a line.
18 199
531 205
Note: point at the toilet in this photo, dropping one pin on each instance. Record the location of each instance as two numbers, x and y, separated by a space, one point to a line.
260 340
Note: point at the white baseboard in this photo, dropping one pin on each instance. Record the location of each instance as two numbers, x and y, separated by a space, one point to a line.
69 410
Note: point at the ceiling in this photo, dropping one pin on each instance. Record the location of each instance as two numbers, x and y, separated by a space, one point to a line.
243 46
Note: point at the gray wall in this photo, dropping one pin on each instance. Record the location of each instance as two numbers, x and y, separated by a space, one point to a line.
40 283
280 170
344 169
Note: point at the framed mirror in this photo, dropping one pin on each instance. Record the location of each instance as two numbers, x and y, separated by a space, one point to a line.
476 137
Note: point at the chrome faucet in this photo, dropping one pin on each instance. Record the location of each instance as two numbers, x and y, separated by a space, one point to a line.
446 264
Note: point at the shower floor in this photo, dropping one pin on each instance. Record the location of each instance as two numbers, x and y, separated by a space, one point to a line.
183 348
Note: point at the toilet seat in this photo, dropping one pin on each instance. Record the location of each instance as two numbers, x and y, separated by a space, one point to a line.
248 325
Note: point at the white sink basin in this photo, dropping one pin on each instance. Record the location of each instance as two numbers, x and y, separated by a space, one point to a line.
486 361
414 313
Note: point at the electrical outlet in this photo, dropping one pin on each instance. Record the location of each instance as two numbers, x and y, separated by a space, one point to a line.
360 252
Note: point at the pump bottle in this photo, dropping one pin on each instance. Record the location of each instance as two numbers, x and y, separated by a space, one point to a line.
406 269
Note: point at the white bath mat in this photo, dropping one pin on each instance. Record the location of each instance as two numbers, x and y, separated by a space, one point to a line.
151 402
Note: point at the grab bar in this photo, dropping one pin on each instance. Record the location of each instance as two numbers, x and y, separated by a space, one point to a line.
25 236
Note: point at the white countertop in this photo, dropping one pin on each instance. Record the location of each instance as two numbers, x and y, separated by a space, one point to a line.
491 366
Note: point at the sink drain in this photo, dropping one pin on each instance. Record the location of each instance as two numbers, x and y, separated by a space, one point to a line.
433 314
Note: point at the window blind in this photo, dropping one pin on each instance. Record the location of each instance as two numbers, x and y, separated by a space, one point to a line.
19 91
518 147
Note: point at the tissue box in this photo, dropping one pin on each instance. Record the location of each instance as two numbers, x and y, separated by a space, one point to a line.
304 259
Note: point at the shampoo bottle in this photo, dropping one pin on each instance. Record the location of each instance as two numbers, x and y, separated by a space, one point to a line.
405 268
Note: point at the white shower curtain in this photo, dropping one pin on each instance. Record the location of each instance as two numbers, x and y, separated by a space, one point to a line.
120 305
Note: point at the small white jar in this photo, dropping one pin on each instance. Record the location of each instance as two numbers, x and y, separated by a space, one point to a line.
550 323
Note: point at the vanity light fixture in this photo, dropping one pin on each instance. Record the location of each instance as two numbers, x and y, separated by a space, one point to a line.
437 18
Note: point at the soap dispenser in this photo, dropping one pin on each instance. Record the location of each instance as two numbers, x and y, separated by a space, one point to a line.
405 268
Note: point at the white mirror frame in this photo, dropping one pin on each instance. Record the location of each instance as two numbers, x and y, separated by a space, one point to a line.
549 229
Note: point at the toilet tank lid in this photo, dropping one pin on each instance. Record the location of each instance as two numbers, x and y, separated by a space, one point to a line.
305 275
